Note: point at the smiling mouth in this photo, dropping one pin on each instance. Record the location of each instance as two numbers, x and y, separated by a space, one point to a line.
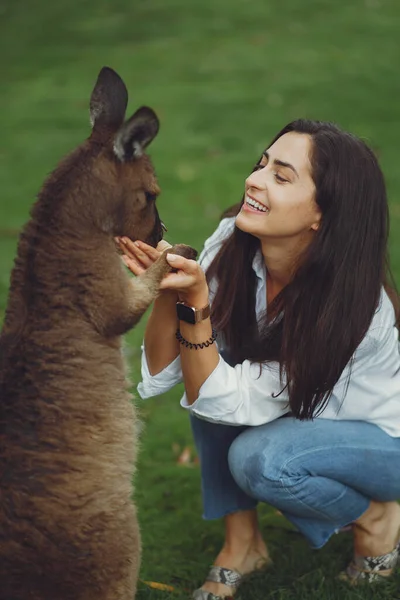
255 205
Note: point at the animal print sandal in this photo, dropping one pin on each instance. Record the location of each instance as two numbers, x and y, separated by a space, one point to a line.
371 568
219 575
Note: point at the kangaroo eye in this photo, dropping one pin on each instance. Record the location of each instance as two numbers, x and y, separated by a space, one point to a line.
150 197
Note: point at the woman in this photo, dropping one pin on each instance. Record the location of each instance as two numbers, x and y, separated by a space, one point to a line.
299 405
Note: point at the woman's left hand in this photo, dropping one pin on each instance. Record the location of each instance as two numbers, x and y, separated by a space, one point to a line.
189 281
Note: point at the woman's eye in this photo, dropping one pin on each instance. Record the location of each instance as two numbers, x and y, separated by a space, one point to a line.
150 197
257 168
280 179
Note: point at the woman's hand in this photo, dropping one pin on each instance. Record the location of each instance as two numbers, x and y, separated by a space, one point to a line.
189 281
138 256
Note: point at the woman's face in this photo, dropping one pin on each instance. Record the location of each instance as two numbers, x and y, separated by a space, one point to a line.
279 196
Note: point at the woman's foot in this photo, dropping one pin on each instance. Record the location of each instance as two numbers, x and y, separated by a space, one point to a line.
377 531
376 536
244 550
242 560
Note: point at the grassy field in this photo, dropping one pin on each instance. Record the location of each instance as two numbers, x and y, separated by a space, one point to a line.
223 76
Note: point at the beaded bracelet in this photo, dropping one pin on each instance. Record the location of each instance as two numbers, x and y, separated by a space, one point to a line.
193 346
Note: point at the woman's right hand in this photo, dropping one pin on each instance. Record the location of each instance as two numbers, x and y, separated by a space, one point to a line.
138 256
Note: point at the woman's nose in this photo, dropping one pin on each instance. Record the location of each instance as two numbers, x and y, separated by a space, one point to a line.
256 180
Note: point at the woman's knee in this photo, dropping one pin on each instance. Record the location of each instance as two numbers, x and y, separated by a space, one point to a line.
251 465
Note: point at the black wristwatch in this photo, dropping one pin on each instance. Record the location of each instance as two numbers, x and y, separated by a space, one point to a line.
191 315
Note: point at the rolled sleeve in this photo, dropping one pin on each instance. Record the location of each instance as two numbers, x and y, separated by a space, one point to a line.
247 394
153 385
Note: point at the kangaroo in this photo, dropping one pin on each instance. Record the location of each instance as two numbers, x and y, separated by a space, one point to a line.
68 525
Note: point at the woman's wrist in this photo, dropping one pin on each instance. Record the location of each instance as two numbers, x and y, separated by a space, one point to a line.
168 295
166 298
195 298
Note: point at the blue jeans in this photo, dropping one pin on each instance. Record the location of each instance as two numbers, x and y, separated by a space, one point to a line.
320 474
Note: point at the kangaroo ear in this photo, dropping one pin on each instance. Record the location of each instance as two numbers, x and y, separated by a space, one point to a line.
137 133
108 100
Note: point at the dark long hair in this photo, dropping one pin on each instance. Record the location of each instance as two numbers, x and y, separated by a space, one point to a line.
328 306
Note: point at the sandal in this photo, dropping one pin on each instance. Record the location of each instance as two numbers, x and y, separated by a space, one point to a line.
219 575
370 568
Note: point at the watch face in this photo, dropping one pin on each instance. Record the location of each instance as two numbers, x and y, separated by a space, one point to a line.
185 313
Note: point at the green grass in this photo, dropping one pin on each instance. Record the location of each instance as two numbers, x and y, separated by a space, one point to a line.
224 76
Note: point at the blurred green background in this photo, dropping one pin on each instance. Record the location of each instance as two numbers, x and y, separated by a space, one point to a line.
224 77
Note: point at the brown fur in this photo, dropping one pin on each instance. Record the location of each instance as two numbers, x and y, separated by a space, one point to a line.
68 528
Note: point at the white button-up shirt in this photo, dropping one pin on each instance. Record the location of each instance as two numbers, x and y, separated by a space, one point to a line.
250 394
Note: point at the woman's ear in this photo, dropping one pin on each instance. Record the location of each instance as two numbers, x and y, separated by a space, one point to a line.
315 226
318 216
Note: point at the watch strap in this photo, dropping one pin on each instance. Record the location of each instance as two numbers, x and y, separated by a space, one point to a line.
196 314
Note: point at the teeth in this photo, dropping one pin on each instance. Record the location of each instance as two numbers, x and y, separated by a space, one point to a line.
256 205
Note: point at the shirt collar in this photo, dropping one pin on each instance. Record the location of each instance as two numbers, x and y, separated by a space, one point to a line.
259 265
